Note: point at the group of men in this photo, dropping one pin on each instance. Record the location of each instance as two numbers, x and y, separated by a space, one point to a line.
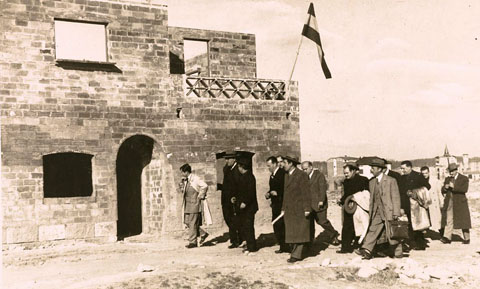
298 199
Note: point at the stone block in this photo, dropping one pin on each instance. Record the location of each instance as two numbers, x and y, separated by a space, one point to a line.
51 232
26 233
105 229
79 231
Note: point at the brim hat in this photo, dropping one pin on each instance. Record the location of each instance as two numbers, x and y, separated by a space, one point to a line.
243 161
350 206
377 162
229 154
292 159
452 167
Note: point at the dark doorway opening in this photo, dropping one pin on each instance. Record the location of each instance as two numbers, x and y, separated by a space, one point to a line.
133 155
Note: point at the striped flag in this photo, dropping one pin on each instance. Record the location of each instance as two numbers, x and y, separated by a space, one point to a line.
310 30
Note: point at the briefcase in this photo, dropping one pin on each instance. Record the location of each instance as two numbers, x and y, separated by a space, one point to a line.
398 229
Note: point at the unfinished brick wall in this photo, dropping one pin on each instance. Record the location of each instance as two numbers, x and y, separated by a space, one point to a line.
47 108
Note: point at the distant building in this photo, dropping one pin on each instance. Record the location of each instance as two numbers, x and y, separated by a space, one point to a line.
466 165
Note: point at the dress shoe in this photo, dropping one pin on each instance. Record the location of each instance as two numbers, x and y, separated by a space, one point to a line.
279 251
335 241
293 260
466 242
419 248
232 246
191 245
342 251
445 240
359 251
203 238
367 255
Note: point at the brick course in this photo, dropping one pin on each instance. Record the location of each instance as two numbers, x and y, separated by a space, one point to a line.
47 108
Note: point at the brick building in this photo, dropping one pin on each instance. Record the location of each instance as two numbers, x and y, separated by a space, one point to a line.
92 137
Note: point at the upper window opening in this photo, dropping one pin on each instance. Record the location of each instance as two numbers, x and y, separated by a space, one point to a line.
80 41
67 175
196 57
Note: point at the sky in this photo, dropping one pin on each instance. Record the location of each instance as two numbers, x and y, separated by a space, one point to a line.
405 74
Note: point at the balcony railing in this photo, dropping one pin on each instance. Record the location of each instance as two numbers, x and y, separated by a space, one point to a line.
216 87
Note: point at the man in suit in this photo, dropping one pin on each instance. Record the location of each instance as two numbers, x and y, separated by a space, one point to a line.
409 181
296 208
231 177
457 213
319 203
353 183
275 194
384 207
435 208
194 190
246 204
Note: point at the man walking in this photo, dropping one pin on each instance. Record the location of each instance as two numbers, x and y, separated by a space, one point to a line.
275 194
319 203
246 203
231 177
457 215
353 183
384 207
296 208
435 208
194 191
409 181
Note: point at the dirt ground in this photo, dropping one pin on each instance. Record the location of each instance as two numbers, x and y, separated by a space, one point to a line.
124 264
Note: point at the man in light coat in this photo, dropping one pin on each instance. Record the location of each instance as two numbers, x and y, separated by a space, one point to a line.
384 207
296 209
456 212
435 195
194 191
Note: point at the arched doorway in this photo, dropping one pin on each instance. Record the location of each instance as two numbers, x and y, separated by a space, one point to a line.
133 155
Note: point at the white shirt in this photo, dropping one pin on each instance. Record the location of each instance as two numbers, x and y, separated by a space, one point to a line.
291 172
233 166
275 171
379 177
310 175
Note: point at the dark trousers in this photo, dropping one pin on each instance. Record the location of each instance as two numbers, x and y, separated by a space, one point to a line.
415 238
232 222
348 232
297 250
247 222
279 228
321 218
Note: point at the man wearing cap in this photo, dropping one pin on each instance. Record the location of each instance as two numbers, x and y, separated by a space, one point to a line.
457 213
246 203
296 208
319 203
353 183
384 207
231 177
409 181
275 194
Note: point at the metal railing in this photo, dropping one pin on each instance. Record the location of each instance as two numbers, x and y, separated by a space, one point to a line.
215 87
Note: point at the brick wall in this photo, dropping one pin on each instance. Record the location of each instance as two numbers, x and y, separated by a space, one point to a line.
47 108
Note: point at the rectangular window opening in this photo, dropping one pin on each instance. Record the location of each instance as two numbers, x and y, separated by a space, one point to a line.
196 57
80 41
67 175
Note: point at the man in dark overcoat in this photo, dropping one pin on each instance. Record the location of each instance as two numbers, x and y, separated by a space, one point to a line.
319 203
275 194
296 208
456 212
231 177
409 181
246 202
353 183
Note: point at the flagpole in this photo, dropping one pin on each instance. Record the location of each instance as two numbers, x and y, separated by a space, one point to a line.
293 68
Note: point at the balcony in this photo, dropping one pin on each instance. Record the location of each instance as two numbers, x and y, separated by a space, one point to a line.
218 87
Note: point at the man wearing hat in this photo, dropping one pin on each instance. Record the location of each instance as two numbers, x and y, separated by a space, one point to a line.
384 207
353 183
246 204
231 177
319 203
296 208
457 213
